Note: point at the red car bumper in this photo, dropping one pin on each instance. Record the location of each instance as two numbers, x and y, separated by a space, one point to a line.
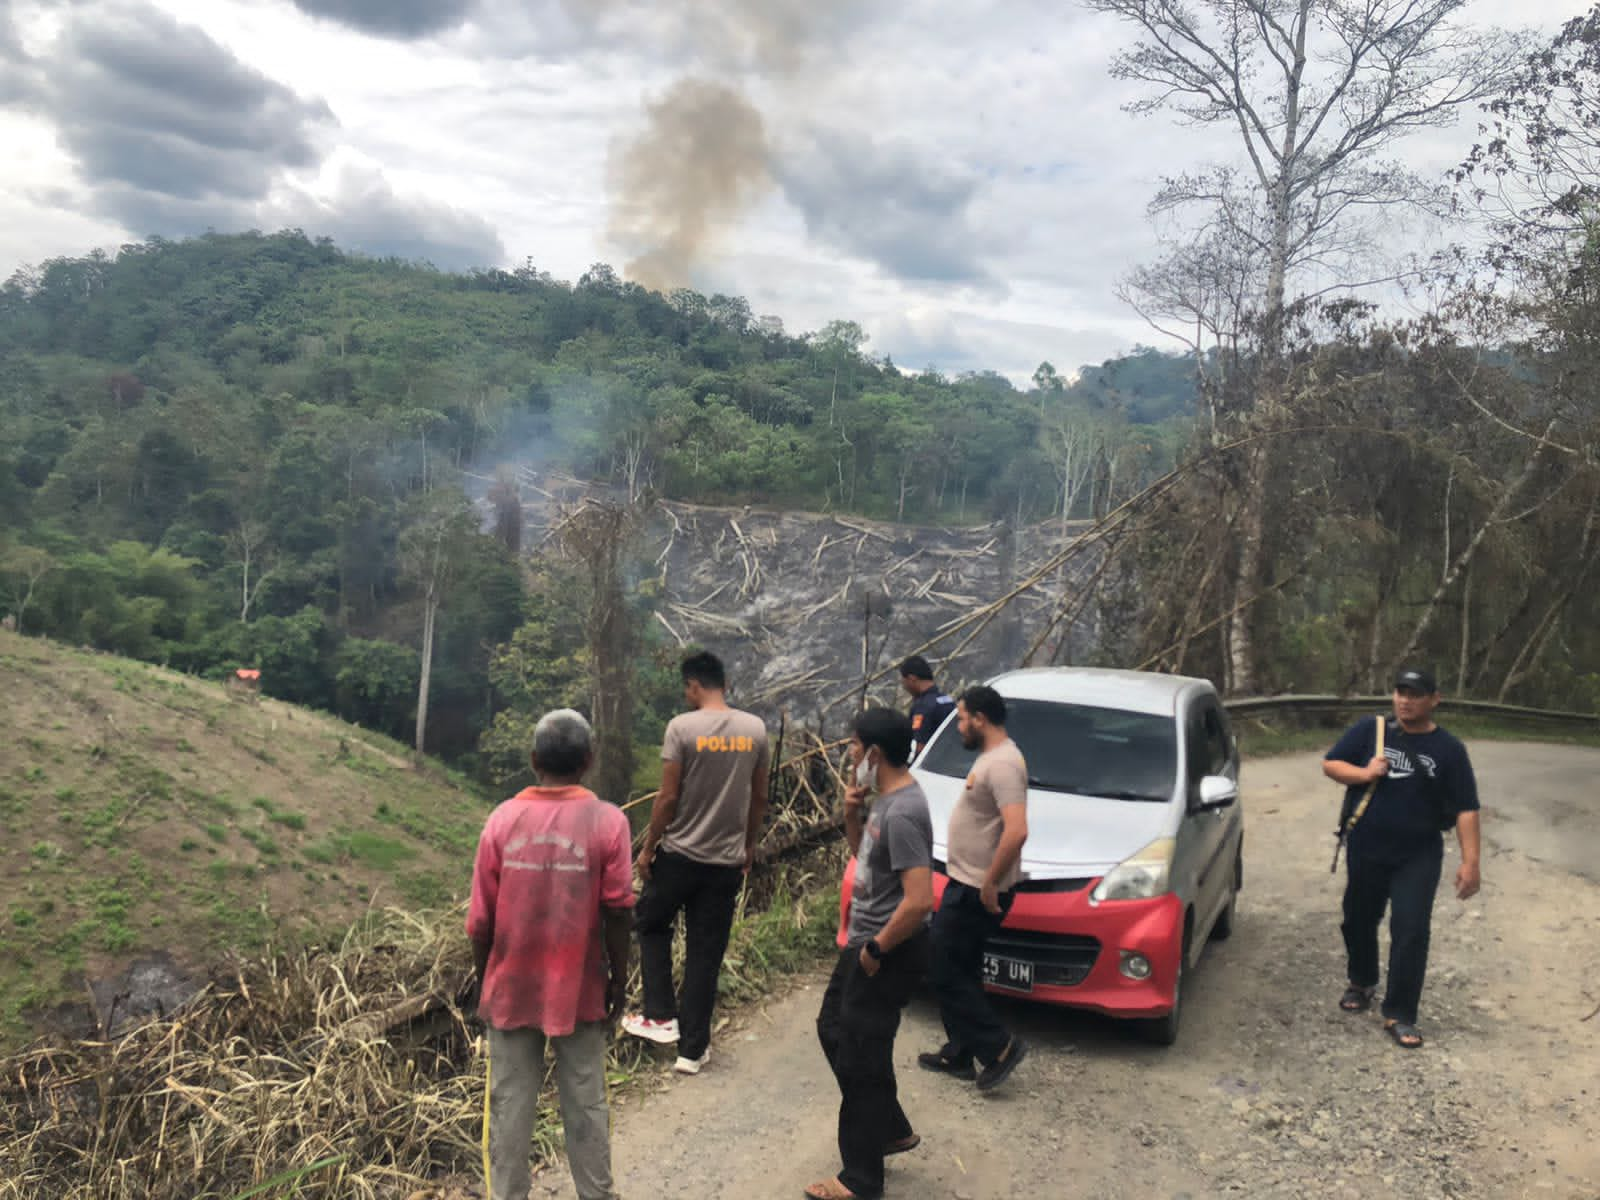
1077 949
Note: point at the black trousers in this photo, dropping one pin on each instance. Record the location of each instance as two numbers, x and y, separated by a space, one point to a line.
859 1017
961 928
1407 887
707 896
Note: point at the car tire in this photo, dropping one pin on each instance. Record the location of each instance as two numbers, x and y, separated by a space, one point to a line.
1163 1031
1222 930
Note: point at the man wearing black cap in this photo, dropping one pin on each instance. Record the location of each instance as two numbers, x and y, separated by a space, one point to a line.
1401 793
929 706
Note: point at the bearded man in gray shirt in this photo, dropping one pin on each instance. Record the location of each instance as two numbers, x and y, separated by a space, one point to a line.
886 957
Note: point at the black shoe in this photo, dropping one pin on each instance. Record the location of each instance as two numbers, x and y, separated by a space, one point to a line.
961 1068
1000 1069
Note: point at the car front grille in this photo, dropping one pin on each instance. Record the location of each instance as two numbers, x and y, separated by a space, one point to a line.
1059 959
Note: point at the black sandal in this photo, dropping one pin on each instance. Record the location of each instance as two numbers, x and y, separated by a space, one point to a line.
1405 1035
945 1065
1356 999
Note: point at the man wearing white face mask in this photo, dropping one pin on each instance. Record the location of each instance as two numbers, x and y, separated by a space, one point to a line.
887 953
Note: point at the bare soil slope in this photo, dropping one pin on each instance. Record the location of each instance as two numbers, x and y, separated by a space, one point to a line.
148 813
1270 1092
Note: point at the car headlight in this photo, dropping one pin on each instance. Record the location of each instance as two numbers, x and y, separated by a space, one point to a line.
1140 877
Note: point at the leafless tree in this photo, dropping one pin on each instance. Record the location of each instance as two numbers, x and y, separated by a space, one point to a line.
249 546
434 548
1318 92
1074 444
29 565
597 535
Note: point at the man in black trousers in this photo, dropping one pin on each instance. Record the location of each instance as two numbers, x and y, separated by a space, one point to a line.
988 828
886 957
1399 800
704 827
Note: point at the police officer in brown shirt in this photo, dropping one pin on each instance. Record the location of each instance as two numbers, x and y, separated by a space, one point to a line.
703 833
987 830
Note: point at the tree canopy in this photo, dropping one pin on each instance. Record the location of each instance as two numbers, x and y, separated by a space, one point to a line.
219 449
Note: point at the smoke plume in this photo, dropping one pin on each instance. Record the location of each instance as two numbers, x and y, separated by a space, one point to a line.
702 155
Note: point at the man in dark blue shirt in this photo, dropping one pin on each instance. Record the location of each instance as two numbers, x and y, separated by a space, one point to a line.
929 705
1420 784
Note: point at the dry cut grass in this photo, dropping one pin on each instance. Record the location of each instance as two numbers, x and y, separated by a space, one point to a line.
357 1060
351 1073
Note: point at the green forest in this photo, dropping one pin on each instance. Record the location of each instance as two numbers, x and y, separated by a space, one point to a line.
252 450
261 451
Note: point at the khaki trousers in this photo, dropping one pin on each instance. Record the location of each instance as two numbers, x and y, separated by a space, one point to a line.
516 1073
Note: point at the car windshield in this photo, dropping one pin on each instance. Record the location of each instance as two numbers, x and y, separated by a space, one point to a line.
1073 748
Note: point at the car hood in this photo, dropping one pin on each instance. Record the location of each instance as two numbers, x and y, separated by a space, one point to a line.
1069 836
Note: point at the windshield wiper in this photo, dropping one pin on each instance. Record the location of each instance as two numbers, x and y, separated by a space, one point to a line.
1095 793
1124 795
1045 785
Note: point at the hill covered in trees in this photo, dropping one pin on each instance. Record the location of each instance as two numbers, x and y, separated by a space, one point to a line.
238 450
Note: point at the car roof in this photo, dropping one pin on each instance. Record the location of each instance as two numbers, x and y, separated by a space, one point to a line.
1097 687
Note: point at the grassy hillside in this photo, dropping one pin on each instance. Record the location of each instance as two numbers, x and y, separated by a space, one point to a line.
144 810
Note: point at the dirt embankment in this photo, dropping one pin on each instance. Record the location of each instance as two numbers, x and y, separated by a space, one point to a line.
155 824
1270 1092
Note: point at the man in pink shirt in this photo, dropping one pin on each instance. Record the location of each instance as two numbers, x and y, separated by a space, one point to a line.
552 895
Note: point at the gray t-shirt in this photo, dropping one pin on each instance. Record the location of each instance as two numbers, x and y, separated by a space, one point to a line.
898 837
721 751
997 780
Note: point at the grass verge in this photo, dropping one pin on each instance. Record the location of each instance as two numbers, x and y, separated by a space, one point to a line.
347 1072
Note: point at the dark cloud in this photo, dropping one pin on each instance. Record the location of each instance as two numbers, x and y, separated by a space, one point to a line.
887 205
158 214
404 19
365 214
161 118
18 76
174 135
766 37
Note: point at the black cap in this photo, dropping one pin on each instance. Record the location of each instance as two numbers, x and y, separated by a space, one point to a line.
1415 679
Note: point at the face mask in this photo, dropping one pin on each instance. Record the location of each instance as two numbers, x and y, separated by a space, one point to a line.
866 773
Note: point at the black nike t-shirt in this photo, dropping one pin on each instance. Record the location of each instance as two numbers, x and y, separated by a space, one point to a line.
928 712
1430 780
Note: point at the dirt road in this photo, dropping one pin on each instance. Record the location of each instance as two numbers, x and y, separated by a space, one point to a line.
1270 1092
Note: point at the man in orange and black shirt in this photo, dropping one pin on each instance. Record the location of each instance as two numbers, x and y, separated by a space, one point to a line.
929 705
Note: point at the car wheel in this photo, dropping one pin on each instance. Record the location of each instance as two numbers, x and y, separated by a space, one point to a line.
1163 1031
1223 928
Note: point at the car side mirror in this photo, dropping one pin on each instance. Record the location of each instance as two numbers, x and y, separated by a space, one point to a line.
1216 792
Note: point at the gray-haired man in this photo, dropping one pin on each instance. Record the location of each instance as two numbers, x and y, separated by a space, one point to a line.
554 873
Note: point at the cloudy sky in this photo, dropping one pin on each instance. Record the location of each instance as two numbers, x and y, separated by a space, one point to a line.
957 175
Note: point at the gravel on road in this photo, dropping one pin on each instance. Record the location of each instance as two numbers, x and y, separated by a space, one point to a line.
1270 1091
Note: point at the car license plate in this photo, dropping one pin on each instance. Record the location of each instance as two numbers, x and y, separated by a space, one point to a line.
1013 974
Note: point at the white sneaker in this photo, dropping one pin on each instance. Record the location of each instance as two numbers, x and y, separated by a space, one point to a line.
662 1033
691 1066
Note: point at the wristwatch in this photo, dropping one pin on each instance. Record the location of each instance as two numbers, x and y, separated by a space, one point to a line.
874 951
